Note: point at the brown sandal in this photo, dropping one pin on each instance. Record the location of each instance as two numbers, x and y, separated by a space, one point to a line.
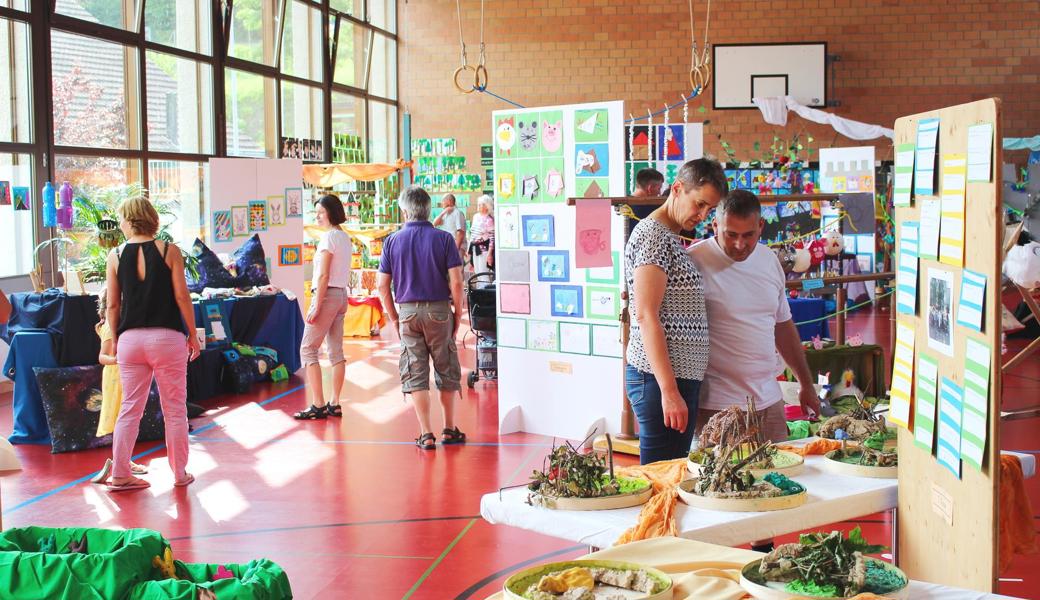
453 436
422 440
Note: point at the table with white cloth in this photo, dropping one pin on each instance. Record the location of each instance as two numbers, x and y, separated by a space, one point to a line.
703 571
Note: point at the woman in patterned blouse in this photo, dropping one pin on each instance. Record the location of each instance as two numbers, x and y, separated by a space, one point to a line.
668 343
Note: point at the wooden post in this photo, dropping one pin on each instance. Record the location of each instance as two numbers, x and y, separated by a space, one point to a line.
839 326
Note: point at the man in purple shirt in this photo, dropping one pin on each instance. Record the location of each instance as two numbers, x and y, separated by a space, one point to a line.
423 266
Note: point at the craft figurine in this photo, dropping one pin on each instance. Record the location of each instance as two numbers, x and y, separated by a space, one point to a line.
802 260
222 573
834 243
816 252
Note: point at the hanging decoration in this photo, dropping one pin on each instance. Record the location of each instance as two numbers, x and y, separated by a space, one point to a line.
700 64
480 73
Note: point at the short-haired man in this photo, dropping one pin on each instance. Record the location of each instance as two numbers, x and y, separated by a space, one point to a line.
648 185
453 221
749 320
423 266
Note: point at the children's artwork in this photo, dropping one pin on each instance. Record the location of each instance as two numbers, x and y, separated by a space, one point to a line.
591 160
951 407
276 210
239 221
515 298
20 197
609 274
508 227
925 386
973 298
512 333
906 276
980 152
602 303
591 125
606 341
671 142
575 338
505 135
513 265
928 236
552 132
5 193
591 187
529 187
592 234
527 128
290 255
637 143
553 183
222 225
293 202
538 230
506 185
257 215
951 228
902 376
566 301
543 335
554 265
940 311
924 161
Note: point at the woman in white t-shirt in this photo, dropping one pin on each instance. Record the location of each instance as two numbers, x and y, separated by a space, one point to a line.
324 320
482 236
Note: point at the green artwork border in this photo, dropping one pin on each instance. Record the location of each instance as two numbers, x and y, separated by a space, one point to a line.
592 348
559 337
588 302
615 257
504 345
555 324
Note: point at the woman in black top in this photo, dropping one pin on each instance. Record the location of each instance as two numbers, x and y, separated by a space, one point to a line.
150 311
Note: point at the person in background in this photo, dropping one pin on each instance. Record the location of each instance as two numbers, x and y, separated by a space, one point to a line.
648 185
668 346
482 236
150 310
453 221
5 308
421 270
324 321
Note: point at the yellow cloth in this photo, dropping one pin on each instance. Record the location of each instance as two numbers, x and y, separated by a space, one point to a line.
361 320
330 175
657 517
111 390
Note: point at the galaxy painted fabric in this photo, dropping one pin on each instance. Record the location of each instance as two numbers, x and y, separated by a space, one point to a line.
211 271
250 264
72 402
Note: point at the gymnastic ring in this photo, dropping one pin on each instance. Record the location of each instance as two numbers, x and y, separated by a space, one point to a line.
697 79
455 79
477 77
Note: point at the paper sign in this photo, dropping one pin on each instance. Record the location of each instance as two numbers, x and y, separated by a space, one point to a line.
931 214
950 412
942 504
902 376
973 298
976 402
812 284
592 234
904 181
564 368
924 401
951 236
906 274
980 152
924 161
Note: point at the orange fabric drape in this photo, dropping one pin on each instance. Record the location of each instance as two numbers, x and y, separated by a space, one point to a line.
1017 529
330 175
657 517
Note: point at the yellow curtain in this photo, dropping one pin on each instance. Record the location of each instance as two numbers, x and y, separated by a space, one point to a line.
329 175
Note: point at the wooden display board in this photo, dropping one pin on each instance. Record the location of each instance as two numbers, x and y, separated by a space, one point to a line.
948 527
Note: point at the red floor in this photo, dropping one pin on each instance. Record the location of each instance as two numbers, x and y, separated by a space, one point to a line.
350 508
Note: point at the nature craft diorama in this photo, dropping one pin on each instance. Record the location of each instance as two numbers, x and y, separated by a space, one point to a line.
589 580
823 565
875 457
740 431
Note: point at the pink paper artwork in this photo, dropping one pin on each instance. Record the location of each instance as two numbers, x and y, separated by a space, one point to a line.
592 234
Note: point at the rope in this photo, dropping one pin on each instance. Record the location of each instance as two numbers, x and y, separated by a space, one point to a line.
462 43
506 100
845 310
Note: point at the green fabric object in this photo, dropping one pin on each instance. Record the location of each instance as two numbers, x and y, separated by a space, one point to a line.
244 350
279 373
257 580
797 430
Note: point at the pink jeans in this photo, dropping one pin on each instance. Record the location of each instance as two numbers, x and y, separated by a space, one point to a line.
142 354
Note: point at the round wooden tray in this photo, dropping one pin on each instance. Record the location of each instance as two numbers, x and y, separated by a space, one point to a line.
511 589
775 591
843 468
685 490
605 503
788 471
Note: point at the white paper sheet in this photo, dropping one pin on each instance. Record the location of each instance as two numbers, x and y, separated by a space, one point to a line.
980 152
931 217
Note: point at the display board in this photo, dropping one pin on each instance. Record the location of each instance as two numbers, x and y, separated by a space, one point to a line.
949 241
559 348
268 195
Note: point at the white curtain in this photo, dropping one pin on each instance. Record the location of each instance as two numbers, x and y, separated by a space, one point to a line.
774 111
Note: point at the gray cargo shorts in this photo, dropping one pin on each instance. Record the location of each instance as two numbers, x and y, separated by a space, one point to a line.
426 330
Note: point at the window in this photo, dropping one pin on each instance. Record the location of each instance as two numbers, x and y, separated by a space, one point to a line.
114 13
178 189
93 85
103 182
383 78
382 139
15 123
15 4
180 104
253 30
352 54
184 24
16 226
383 14
250 121
302 114
348 118
301 42
354 8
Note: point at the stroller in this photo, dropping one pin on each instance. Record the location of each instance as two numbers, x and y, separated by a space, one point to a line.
480 296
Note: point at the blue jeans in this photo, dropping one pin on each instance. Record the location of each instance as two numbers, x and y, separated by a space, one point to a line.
657 442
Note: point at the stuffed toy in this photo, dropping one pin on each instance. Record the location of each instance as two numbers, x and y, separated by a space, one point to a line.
802 260
816 252
165 564
834 243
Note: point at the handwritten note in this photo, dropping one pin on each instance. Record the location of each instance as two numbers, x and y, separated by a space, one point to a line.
950 408
906 275
976 402
924 401
902 376
924 162
931 214
951 237
980 152
904 183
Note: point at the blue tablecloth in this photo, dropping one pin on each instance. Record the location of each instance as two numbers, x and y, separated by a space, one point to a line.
272 321
805 309
29 349
69 319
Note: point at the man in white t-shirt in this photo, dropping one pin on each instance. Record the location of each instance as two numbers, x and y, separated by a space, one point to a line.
749 320
453 221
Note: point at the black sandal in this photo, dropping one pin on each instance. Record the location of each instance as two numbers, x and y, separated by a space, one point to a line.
311 414
334 410
426 437
453 436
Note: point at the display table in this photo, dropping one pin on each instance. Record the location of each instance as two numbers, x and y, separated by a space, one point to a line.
364 316
703 571
29 349
69 319
806 309
272 321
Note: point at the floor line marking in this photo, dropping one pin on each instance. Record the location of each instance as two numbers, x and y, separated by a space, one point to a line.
436 562
228 440
319 526
516 471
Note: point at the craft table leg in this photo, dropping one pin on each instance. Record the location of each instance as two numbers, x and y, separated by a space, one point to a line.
628 418
895 536
839 326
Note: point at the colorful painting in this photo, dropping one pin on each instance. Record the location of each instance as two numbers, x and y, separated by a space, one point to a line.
5 193
637 143
222 225
290 256
591 160
293 202
671 142
257 215
591 125
21 198
566 301
551 131
276 210
554 265
538 230
505 137
239 221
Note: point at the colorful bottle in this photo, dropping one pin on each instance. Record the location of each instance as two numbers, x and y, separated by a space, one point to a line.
65 211
49 210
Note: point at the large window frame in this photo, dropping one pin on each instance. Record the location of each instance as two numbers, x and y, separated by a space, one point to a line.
42 19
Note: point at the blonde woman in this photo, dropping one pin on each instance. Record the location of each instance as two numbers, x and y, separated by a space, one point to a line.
482 236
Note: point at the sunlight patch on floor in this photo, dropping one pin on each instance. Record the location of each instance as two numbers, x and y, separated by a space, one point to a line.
222 501
253 426
279 467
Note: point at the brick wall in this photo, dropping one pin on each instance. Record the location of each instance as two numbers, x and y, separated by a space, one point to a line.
897 58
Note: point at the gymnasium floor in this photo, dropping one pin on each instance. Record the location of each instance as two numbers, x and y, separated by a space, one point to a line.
350 507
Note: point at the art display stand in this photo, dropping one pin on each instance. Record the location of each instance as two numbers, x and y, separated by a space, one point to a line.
948 525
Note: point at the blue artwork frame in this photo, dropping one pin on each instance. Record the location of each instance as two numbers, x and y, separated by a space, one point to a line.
566 301
538 230
554 265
